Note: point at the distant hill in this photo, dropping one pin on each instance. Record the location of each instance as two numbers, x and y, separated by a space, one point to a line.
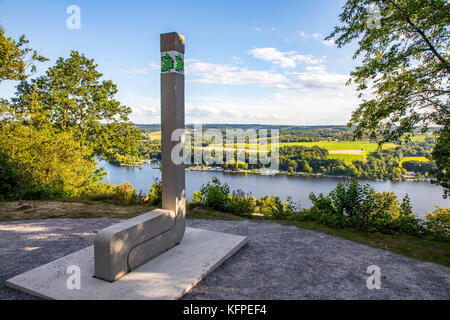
157 127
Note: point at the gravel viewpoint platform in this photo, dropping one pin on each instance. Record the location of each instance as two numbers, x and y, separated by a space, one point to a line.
279 262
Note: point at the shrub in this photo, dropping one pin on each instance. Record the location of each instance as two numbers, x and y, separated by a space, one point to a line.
275 208
155 194
240 203
348 198
437 223
42 163
125 193
270 206
213 195
351 205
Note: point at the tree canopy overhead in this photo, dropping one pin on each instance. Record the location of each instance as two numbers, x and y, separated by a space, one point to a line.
403 75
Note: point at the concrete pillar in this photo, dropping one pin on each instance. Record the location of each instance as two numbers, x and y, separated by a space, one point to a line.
172 118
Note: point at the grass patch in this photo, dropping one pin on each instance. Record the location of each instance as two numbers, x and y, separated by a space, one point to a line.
419 138
342 145
36 210
365 146
197 212
154 135
348 158
421 159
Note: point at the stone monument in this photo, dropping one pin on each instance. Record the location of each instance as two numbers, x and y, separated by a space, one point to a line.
125 246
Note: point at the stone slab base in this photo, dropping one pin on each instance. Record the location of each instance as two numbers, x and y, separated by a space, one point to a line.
168 276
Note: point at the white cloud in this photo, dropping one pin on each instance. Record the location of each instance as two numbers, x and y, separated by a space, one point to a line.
286 59
204 72
285 107
316 36
298 98
153 65
257 29
231 110
145 109
318 69
314 77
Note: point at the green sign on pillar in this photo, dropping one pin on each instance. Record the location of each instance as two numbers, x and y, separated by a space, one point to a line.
172 61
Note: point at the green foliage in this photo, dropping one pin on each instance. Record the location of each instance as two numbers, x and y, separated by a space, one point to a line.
423 167
155 194
213 195
438 223
348 198
441 156
42 164
57 126
121 194
241 203
405 67
349 206
72 97
270 206
217 196
353 206
15 57
125 193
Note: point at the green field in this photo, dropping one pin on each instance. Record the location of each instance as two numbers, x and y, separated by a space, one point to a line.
341 145
419 138
348 158
154 135
364 147
422 159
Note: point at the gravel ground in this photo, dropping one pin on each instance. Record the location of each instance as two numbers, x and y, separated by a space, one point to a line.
279 262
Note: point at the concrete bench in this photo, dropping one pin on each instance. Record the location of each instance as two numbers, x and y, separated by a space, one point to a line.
125 246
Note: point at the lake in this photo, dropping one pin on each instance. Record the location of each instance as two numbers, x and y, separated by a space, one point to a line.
424 195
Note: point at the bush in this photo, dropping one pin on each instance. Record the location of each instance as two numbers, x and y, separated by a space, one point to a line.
155 194
351 205
437 223
42 163
240 203
125 193
217 196
122 194
213 195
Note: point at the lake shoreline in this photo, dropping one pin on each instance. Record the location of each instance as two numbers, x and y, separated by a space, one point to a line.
278 173
424 195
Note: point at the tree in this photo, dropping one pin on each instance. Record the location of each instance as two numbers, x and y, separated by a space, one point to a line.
441 155
403 75
73 98
43 164
16 57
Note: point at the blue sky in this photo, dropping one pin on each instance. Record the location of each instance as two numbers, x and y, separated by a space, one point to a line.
246 61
